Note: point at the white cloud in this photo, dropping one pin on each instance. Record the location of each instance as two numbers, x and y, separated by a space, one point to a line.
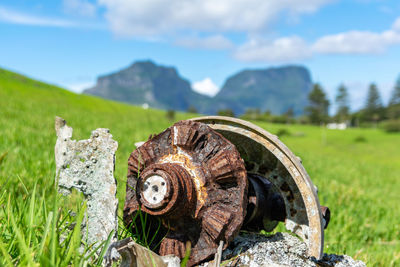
396 25
294 48
214 42
205 87
10 16
356 42
158 17
79 87
359 42
79 7
280 50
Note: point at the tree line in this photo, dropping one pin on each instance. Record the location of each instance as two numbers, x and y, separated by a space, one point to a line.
371 114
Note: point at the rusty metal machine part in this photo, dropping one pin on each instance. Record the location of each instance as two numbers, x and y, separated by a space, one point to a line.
285 178
194 181
265 206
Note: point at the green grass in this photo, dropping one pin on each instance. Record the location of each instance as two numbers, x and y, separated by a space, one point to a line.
360 183
358 178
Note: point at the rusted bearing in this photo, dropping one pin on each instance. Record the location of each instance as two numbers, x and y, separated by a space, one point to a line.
265 155
204 197
266 207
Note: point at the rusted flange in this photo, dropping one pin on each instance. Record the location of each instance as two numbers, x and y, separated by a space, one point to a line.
266 156
194 180
164 189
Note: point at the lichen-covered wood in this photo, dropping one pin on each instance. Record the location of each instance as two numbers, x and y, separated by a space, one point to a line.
88 166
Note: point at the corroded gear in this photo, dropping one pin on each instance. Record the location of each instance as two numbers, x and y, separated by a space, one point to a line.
192 179
191 182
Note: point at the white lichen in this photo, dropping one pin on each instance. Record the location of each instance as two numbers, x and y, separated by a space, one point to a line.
88 166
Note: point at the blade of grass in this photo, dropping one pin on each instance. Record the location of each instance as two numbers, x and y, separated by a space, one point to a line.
23 185
75 242
42 207
2 157
6 257
104 248
187 254
31 215
46 232
156 233
26 252
8 208
54 238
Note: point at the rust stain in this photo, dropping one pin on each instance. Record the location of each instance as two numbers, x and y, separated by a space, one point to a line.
287 175
192 179
184 160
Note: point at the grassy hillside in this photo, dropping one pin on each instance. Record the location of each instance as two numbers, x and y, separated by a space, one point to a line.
357 173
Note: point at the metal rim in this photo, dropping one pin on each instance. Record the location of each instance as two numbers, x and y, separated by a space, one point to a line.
315 237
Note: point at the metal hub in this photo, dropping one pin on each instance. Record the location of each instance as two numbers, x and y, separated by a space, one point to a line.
163 188
267 157
154 190
206 179
193 180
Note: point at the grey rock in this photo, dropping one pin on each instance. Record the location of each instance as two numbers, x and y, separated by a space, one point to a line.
171 260
280 249
88 166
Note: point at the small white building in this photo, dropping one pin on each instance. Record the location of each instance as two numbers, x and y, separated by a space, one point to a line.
337 126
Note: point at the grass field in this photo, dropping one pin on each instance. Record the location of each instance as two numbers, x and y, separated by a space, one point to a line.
357 172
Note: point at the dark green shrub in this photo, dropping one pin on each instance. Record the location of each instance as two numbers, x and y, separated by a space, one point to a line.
282 132
192 109
226 112
360 139
170 115
391 126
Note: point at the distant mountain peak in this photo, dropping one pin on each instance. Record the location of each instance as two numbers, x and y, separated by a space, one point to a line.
276 89
146 82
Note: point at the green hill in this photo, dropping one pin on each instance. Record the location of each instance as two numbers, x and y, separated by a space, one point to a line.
357 172
27 138
28 109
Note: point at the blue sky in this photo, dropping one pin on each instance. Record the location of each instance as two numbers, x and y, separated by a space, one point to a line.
71 42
